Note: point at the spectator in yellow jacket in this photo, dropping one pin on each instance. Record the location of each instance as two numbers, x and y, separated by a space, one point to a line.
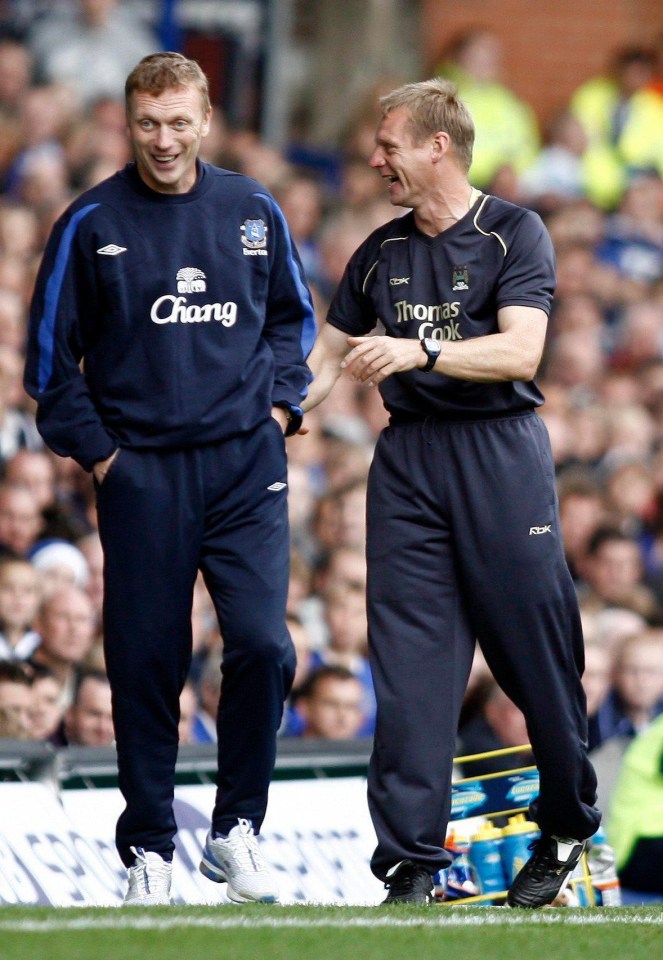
622 116
507 132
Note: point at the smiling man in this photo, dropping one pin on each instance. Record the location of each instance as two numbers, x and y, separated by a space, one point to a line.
463 538
178 286
166 132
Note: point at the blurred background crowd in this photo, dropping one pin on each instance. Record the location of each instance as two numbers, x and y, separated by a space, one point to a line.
595 176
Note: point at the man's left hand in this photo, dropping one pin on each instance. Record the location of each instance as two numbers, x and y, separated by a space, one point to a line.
281 417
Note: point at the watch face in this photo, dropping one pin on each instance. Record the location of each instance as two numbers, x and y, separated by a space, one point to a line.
431 346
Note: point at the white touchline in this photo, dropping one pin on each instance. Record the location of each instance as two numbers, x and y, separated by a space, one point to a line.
453 917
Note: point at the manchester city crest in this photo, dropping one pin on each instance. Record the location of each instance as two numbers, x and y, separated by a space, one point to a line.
254 234
460 278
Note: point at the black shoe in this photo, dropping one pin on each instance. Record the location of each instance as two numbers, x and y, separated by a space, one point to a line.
546 873
408 883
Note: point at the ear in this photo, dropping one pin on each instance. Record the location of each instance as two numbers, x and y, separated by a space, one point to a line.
440 145
206 121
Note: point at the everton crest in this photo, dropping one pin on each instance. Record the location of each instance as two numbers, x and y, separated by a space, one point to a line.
254 237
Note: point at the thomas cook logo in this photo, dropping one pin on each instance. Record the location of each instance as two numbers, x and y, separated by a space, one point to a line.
254 238
191 280
460 278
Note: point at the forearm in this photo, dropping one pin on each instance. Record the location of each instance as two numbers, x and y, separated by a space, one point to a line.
495 358
325 364
512 353
321 386
71 426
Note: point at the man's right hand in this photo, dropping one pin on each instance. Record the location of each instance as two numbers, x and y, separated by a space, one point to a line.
101 467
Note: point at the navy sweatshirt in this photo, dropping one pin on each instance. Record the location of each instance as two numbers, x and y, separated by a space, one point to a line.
448 287
165 320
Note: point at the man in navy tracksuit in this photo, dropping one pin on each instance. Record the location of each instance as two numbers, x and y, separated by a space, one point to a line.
167 351
463 529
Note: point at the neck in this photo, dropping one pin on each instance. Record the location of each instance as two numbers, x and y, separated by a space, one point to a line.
639 717
13 633
446 209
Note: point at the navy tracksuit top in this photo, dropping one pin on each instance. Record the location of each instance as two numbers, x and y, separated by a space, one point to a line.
190 313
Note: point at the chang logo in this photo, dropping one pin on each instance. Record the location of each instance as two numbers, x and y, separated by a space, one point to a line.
191 280
172 309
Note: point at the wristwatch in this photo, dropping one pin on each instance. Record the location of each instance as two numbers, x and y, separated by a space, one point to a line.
432 349
294 415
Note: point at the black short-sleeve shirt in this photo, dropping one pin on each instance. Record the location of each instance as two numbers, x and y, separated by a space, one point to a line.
448 287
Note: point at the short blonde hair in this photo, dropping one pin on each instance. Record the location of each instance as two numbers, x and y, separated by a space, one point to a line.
435 105
163 71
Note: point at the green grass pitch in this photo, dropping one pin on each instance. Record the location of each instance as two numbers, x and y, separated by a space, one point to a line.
255 932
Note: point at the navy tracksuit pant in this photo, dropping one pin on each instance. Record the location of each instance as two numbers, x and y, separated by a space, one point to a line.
162 516
464 543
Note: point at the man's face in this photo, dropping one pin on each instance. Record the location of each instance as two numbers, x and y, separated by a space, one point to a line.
97 12
19 595
334 712
34 470
639 675
165 132
615 569
406 167
20 519
66 626
15 710
345 613
90 719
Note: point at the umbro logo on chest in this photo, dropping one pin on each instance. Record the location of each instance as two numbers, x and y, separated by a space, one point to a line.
111 250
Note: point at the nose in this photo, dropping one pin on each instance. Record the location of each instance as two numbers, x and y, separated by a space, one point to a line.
376 159
163 137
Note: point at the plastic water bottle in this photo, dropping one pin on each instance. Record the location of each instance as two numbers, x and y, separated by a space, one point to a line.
602 871
486 859
460 876
440 884
516 838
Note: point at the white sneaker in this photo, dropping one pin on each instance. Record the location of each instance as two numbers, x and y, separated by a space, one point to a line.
237 861
149 880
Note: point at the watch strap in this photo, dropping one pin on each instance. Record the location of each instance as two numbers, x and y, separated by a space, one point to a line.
432 357
294 414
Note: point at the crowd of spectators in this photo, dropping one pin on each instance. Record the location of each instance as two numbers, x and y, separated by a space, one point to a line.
596 179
